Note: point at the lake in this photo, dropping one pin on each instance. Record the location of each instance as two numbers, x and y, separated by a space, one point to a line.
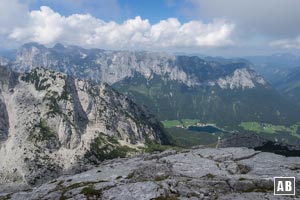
208 129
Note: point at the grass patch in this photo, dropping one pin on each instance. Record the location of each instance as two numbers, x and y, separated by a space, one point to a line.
171 123
106 147
270 128
45 133
262 190
130 176
179 123
6 197
88 190
189 122
210 176
91 192
161 177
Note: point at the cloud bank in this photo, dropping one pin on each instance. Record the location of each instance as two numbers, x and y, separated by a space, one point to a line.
287 43
238 25
47 27
277 18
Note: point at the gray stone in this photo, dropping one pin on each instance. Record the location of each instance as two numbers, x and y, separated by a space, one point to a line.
134 191
253 196
198 174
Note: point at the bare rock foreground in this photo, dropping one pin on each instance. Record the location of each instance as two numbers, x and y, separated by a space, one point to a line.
225 173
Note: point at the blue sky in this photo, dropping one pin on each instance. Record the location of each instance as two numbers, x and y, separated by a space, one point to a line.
220 27
154 10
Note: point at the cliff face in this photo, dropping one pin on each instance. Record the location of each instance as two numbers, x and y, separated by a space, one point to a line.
209 174
4 124
51 124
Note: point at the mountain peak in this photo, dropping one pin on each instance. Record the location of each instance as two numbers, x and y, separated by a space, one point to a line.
32 44
58 46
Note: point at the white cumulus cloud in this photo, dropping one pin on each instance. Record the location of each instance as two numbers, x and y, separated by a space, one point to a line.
48 27
293 43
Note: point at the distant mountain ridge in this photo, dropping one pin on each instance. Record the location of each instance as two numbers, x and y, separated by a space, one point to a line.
274 67
289 84
114 66
284 60
171 86
282 71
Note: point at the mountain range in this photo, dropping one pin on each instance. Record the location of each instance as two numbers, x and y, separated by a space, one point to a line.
282 71
171 86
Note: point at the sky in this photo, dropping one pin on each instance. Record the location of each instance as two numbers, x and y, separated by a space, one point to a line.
211 27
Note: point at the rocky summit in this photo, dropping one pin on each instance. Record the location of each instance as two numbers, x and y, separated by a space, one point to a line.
224 173
52 124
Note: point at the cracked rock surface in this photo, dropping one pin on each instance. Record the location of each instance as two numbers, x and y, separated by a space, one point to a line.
224 173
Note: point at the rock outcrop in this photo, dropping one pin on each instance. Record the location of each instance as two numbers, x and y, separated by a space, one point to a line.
257 142
225 173
243 140
51 124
